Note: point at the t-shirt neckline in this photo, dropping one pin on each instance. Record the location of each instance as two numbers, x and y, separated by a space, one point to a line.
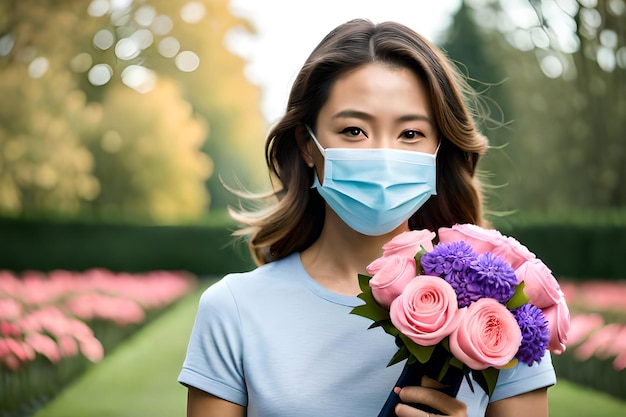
319 290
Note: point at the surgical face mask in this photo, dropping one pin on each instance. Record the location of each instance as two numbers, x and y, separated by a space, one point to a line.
375 190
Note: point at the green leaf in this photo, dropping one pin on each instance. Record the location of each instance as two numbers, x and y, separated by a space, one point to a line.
519 298
490 376
364 283
418 260
371 309
402 354
422 353
456 363
387 326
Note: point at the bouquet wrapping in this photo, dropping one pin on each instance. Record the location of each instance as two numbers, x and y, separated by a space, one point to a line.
473 304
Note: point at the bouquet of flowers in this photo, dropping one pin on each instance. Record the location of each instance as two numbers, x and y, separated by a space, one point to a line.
474 303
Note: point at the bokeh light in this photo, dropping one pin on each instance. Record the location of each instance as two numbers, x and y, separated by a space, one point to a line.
38 67
168 47
100 74
103 39
81 62
192 12
140 79
145 15
126 49
187 61
551 66
6 44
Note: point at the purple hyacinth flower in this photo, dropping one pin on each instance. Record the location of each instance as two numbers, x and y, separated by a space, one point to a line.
535 333
451 262
491 277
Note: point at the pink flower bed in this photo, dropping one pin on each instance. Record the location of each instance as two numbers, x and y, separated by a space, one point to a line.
591 334
48 314
597 295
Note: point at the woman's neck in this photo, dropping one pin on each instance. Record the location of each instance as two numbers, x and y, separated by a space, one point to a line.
340 254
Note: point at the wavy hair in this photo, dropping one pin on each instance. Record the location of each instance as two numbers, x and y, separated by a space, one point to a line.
295 216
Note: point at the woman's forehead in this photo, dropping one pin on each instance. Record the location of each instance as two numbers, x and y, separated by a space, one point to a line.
374 90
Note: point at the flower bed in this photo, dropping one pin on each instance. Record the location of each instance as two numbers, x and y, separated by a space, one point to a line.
596 355
52 326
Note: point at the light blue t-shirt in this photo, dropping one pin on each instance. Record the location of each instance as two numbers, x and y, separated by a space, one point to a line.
277 342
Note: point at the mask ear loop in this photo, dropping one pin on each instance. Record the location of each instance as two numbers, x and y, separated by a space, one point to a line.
315 140
322 151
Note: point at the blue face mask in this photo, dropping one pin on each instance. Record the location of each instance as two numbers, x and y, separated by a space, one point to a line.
375 190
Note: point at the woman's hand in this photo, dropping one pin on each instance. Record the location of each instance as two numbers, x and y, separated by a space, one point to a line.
428 394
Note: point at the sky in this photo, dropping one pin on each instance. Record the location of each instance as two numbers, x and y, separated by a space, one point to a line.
288 30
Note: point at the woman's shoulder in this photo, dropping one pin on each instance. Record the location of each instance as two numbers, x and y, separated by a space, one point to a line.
272 270
238 284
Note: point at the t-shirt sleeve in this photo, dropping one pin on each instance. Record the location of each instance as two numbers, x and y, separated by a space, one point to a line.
214 356
523 378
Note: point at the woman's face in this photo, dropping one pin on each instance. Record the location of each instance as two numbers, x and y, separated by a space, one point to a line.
376 106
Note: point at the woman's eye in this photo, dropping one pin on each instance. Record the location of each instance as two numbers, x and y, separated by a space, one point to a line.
412 135
353 131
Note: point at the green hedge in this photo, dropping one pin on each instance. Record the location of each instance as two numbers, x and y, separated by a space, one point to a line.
596 373
580 252
77 246
577 247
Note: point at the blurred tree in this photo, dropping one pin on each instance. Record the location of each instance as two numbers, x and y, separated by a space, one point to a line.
165 38
111 105
472 49
467 45
44 164
569 109
149 162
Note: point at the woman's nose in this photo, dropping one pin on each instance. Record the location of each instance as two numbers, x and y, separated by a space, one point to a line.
383 142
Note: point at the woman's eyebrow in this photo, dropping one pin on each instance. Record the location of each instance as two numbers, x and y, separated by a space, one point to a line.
366 116
413 117
353 114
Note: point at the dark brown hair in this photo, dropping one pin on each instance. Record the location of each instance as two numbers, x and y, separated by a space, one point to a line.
295 218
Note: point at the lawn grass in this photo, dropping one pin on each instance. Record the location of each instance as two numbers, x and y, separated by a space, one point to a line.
568 400
139 378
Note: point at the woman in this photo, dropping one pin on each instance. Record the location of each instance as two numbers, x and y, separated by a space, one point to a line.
377 139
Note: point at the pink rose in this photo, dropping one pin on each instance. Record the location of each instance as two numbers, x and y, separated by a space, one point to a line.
480 239
512 251
558 317
376 265
393 274
426 311
488 240
540 286
488 335
409 243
